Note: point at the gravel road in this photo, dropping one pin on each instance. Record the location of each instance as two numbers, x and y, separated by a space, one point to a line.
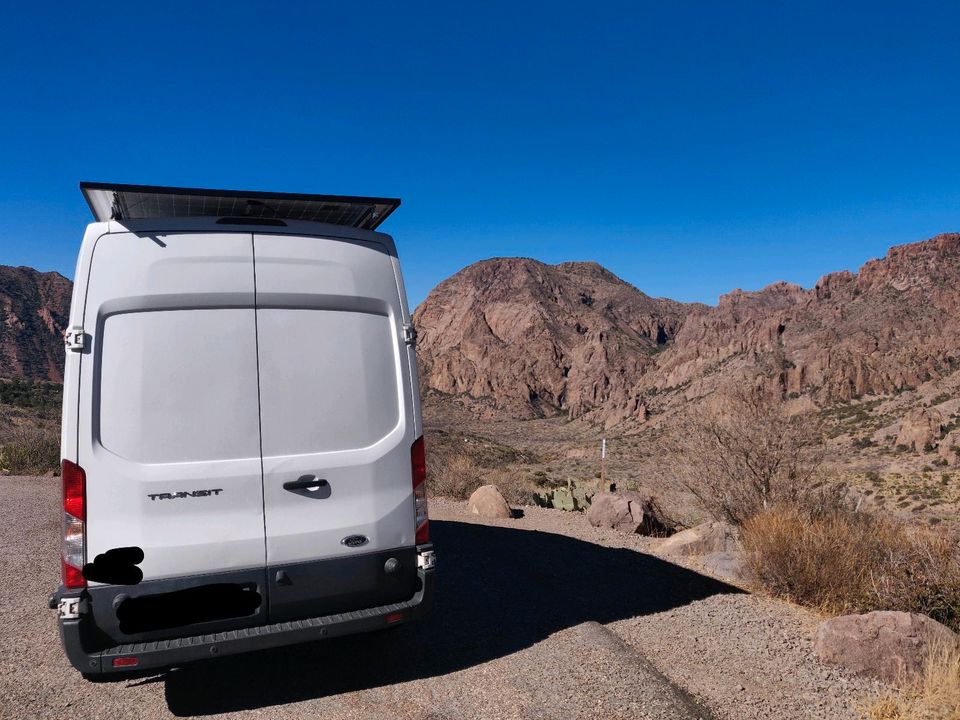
539 617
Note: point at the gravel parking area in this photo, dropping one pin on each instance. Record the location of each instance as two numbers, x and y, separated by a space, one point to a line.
538 617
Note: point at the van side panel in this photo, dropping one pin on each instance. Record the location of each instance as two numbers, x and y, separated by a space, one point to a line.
168 429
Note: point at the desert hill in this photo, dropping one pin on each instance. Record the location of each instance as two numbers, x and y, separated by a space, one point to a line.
542 340
34 310
537 340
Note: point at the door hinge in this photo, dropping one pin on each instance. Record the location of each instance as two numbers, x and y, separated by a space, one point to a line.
74 338
427 560
68 608
409 334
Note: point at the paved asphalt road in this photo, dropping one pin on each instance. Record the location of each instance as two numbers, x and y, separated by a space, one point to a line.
517 632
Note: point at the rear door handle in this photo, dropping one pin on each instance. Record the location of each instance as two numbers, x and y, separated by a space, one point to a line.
305 482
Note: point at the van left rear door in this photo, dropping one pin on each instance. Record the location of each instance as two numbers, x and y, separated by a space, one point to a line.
168 430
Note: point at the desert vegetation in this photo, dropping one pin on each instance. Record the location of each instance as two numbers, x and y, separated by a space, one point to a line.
933 695
805 538
744 454
458 463
29 427
841 560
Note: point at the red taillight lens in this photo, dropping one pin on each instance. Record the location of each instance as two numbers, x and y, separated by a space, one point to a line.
418 461
72 577
74 490
74 523
126 661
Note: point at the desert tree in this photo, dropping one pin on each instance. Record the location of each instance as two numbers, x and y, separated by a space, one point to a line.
741 452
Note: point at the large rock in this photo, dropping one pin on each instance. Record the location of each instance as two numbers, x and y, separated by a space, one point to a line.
628 511
729 565
950 448
884 644
488 502
920 429
709 537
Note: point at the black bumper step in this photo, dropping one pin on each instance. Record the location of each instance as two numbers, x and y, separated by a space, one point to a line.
160 654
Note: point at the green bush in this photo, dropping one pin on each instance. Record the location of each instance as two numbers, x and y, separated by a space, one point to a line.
30 394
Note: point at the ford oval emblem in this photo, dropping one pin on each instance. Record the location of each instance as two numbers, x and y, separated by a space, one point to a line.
353 541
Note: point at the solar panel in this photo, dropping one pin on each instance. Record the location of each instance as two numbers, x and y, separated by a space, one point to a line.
109 201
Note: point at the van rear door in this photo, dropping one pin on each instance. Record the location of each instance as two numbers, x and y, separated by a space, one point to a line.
168 430
337 424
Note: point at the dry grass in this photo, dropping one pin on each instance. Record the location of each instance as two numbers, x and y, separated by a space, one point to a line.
30 451
452 476
935 695
458 476
844 561
459 462
511 484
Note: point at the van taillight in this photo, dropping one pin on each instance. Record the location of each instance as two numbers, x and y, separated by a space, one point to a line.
419 463
74 517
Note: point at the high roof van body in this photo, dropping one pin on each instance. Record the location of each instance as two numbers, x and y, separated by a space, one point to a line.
242 440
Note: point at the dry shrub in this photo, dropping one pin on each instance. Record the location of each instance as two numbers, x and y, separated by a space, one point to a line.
511 485
30 451
744 453
455 476
846 561
935 695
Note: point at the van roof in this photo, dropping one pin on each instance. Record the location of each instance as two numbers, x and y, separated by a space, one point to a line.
112 201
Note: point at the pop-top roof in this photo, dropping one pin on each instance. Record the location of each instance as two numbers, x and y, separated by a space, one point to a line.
109 201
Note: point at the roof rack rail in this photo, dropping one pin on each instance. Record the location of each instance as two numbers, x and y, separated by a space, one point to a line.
111 201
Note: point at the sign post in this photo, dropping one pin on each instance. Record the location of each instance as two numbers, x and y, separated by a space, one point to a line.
603 462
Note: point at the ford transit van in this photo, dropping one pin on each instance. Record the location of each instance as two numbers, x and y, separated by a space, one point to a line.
242 458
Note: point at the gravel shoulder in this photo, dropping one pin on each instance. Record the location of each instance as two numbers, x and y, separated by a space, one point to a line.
537 617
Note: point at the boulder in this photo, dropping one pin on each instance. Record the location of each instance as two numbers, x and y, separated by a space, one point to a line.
949 448
709 537
628 511
487 501
888 645
920 429
729 565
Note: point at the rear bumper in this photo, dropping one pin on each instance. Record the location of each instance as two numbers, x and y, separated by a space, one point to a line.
161 654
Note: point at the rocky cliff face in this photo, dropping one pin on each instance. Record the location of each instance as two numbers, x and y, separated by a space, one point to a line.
891 326
541 340
538 339
34 310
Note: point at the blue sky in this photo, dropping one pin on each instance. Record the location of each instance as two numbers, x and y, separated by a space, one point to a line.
689 147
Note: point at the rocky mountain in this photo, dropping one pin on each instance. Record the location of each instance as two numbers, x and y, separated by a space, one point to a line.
539 340
892 326
34 310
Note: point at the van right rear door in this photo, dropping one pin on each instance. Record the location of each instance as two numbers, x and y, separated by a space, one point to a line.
337 424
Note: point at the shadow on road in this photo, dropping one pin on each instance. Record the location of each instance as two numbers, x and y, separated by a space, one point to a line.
498 591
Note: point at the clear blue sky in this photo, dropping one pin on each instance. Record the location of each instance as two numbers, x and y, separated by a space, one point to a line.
689 147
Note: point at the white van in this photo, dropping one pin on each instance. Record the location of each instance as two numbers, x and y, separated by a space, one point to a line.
243 461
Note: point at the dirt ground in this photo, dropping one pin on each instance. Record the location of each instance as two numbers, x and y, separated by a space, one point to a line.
538 617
